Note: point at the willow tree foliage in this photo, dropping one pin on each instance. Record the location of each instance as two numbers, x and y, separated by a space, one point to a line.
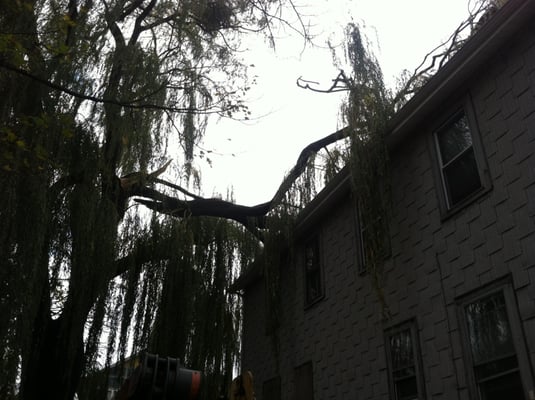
95 94
367 113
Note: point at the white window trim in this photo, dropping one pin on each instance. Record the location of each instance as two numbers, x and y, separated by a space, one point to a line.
448 210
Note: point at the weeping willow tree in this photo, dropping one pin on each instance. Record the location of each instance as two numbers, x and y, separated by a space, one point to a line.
94 94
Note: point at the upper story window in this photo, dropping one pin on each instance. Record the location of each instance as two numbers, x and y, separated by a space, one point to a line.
369 236
457 159
495 346
404 362
313 272
461 169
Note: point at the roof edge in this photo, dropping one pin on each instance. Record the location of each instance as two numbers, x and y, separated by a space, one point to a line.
478 48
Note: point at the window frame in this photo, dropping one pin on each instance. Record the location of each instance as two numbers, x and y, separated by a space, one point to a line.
452 114
316 242
504 287
360 235
412 326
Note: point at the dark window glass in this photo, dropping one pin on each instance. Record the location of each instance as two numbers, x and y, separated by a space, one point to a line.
454 139
495 362
407 389
403 364
488 329
312 271
461 177
271 390
506 387
304 385
457 160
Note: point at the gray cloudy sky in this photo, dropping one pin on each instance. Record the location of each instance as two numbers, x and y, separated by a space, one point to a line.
259 153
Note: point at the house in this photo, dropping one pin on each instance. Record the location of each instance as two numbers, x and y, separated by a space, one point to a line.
459 281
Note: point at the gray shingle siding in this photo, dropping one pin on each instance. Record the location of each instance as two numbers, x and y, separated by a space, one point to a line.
434 260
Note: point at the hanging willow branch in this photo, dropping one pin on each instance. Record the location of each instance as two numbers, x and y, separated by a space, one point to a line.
135 104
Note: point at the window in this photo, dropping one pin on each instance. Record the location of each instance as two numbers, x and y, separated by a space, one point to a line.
271 389
404 363
304 385
367 233
458 163
313 273
496 356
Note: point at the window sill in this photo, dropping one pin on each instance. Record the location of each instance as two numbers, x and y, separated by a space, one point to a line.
312 303
464 204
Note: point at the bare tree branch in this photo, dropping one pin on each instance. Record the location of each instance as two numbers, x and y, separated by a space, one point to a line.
340 79
134 104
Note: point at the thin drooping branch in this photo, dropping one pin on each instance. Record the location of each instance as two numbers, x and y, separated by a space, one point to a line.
143 252
179 188
135 104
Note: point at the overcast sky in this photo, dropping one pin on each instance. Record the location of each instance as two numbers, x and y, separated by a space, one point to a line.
253 158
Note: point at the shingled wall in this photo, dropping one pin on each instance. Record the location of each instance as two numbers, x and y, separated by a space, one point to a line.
435 260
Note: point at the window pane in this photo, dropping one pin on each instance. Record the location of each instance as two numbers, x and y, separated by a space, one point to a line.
401 349
454 139
304 386
488 329
404 372
504 387
312 256
313 286
312 271
462 177
497 367
405 379
407 389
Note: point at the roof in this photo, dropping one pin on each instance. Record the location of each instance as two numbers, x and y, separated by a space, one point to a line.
477 50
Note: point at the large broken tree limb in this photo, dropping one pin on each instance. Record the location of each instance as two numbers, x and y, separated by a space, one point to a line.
302 161
251 217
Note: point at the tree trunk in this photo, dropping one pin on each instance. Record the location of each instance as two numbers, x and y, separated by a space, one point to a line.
56 362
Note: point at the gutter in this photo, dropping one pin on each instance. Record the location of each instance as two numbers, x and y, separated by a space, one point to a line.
462 66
